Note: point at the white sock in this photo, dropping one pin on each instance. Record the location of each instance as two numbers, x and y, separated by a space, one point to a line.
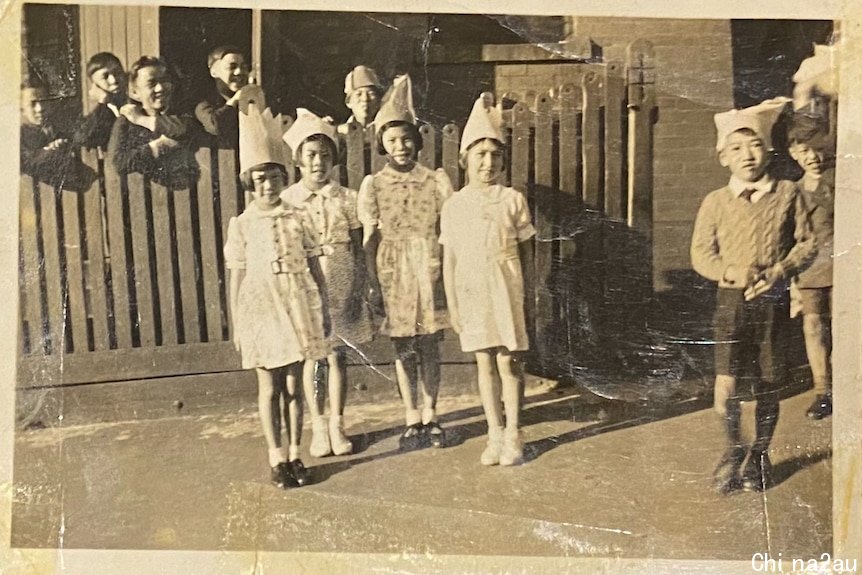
412 416
428 415
293 453
277 456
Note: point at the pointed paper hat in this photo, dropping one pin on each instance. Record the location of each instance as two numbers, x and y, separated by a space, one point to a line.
260 138
360 77
485 121
308 124
760 119
397 105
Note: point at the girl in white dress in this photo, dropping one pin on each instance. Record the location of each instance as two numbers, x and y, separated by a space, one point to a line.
274 279
486 235
332 210
399 208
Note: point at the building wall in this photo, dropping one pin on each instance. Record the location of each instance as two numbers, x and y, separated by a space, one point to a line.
694 79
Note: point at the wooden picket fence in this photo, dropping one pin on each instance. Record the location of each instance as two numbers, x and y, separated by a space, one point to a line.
126 280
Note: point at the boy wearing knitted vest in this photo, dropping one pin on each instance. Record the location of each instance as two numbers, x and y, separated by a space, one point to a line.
750 236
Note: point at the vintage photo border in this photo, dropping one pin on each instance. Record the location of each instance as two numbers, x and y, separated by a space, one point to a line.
847 421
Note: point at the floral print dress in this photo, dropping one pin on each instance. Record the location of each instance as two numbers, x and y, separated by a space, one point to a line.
405 207
279 315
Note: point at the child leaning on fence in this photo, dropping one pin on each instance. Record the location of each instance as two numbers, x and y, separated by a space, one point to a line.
812 148
332 210
277 313
751 236
108 94
485 230
399 208
148 137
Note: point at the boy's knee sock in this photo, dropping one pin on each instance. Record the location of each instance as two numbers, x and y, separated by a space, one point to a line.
765 419
732 419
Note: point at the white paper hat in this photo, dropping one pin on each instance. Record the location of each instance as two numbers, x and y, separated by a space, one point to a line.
818 73
397 104
260 138
760 119
485 121
360 77
307 124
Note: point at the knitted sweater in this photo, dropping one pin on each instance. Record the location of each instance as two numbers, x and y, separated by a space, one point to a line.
731 231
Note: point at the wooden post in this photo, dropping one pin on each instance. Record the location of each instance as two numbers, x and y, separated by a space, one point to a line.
615 194
139 216
545 301
257 44
120 273
31 289
209 247
53 273
96 244
187 260
72 240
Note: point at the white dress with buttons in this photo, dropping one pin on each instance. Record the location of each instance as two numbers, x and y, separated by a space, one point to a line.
483 227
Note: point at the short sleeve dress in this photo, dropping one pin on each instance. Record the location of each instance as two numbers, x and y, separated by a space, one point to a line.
279 316
332 210
483 228
405 207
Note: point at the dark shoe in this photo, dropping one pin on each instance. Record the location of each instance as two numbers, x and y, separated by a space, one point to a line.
757 475
411 439
280 476
434 434
298 473
726 475
821 408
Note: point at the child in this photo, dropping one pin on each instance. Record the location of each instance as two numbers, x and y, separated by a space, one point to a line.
332 210
147 138
750 236
108 92
810 145
362 96
399 208
232 91
276 309
485 231
44 152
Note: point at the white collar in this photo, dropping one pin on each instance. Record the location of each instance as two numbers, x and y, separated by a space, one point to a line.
761 187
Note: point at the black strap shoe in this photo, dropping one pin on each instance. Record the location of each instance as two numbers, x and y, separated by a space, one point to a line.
434 434
411 439
757 475
280 476
298 473
821 408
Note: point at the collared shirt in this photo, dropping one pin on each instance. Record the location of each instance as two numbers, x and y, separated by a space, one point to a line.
331 209
761 187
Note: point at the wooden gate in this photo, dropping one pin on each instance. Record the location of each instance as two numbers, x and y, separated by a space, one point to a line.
125 280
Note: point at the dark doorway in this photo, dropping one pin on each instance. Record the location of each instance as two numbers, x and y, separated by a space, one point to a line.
186 35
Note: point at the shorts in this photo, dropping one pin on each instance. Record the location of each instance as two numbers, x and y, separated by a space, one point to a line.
816 301
750 336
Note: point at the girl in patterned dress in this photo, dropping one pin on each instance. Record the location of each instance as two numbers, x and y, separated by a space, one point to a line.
399 208
486 233
332 210
276 309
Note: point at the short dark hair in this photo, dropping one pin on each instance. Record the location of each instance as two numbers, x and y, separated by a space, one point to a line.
319 138
102 60
146 62
220 52
806 129
245 177
417 137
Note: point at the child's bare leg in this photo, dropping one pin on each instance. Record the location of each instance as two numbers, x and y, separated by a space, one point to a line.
512 375
429 355
337 382
489 393
818 342
512 378
406 372
293 406
268 407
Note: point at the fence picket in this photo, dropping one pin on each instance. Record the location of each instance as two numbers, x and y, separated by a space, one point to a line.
542 203
428 153
520 146
123 290
230 207
76 314
31 291
593 194
54 281
188 264
96 238
139 214
209 248
165 238
615 198
451 142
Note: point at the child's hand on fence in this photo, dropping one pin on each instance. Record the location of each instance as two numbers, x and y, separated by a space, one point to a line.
248 94
56 144
163 144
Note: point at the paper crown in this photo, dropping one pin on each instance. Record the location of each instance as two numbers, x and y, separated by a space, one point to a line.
485 121
760 119
360 77
260 138
397 104
307 124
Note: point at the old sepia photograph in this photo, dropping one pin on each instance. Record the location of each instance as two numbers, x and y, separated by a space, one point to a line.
419 284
